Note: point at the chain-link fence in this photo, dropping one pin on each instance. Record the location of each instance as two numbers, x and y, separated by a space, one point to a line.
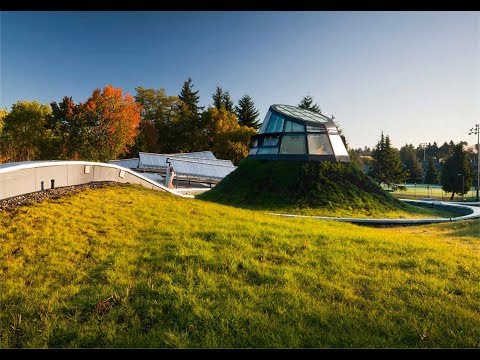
424 191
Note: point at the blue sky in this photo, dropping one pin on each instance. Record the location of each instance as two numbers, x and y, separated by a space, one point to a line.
413 75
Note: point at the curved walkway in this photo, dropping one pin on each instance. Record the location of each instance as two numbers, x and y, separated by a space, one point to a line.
27 177
466 212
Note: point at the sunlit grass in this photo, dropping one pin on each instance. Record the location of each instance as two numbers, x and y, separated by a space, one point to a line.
126 266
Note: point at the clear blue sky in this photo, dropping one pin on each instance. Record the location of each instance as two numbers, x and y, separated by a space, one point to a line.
413 75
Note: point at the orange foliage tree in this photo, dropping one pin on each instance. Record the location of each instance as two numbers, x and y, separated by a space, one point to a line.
226 137
110 120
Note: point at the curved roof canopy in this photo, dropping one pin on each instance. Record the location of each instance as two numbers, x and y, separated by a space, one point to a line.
291 133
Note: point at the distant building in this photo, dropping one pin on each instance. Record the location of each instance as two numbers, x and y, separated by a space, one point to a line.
292 133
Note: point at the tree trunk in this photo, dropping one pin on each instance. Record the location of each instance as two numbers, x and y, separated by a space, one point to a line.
453 193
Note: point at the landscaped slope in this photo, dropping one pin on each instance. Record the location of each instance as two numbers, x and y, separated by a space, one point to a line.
125 266
312 188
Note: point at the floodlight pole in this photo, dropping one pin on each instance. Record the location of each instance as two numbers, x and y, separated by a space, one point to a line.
476 131
424 145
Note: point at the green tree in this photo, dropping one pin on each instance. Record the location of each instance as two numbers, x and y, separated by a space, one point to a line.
386 166
25 133
247 113
218 98
227 101
190 97
222 98
307 103
163 111
455 168
431 175
411 164
68 130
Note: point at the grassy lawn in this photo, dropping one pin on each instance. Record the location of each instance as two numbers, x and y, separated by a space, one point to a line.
126 266
420 191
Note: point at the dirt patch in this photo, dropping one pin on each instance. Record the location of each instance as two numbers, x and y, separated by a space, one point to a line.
39 196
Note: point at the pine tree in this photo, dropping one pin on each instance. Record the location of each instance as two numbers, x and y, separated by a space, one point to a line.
410 162
431 175
456 168
190 97
307 103
247 113
217 98
386 165
227 101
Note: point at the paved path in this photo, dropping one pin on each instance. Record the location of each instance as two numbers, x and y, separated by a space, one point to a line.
466 212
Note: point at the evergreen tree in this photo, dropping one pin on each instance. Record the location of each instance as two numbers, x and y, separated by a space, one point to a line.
456 168
431 175
410 162
217 98
220 98
386 166
307 103
190 97
227 101
247 113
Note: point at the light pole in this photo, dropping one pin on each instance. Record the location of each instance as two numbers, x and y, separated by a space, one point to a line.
476 131
463 184
424 145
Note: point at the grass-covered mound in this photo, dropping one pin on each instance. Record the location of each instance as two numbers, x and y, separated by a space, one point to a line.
311 188
126 266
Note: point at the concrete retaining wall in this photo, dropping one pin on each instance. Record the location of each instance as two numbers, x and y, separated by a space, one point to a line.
27 178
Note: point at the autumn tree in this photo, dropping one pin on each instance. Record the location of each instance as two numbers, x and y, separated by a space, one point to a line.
386 166
3 113
455 169
24 131
225 137
247 113
111 120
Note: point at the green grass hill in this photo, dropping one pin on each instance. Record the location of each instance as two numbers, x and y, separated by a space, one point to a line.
125 266
310 188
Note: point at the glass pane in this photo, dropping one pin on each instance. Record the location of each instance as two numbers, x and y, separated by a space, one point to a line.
275 124
268 150
253 151
270 141
265 122
319 145
338 145
293 144
291 126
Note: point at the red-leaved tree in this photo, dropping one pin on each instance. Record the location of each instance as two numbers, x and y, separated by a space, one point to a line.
109 124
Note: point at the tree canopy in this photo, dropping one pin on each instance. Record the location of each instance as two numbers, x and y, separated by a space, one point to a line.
386 166
457 173
25 131
308 104
190 97
246 112
411 164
